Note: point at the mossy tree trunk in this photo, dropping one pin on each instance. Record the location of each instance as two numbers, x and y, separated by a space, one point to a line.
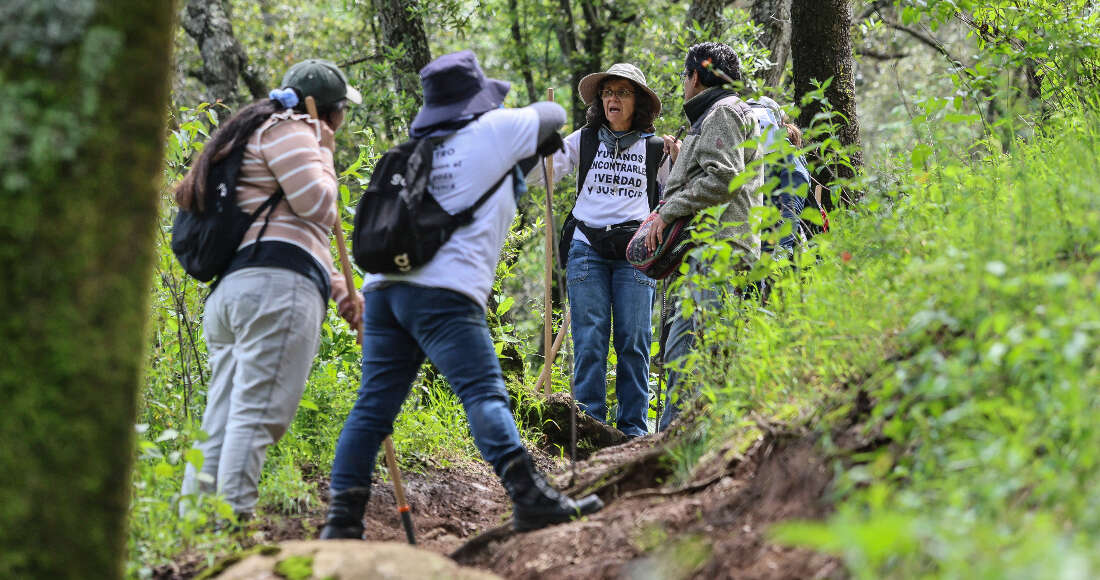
224 61
83 96
403 26
774 19
821 48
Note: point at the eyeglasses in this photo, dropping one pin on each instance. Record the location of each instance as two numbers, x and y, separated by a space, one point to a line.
621 93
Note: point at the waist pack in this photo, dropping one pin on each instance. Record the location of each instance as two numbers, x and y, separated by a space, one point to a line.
610 241
205 241
399 225
666 259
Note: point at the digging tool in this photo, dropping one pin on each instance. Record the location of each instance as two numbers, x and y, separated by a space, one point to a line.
548 174
399 490
349 280
547 177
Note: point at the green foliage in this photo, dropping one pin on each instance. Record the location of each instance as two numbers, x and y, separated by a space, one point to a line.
965 306
960 294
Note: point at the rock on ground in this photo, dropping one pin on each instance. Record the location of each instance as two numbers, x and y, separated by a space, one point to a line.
345 560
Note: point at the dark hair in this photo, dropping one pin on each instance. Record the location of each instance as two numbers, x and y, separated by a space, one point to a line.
643 108
232 132
721 56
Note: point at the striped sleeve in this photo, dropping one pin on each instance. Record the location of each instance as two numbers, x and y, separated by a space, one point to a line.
303 169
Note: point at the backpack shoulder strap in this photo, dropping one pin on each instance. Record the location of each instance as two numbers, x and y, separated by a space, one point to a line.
468 213
590 142
654 150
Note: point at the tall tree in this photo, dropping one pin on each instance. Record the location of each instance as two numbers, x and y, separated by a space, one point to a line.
224 62
774 19
403 33
584 50
707 15
520 45
83 98
821 49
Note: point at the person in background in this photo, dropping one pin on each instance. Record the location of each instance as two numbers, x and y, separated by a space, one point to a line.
714 152
615 156
262 322
437 311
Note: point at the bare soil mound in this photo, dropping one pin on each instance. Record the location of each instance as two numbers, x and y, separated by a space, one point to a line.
656 525
713 526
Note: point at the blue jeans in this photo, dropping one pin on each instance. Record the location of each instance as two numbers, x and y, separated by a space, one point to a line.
402 324
603 292
683 333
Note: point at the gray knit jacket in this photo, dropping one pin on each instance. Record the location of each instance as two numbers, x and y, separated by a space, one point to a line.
712 155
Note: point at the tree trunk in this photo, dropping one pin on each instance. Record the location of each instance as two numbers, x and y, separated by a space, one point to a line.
708 15
223 59
521 51
81 200
774 18
584 54
821 48
403 30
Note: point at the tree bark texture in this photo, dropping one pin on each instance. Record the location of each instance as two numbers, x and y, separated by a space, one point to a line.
403 30
821 48
708 15
521 51
584 54
224 61
774 19
84 98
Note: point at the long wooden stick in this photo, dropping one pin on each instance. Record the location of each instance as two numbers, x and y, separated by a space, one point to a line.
548 302
399 490
545 374
349 281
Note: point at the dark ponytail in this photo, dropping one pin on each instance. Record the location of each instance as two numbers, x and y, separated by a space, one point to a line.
231 133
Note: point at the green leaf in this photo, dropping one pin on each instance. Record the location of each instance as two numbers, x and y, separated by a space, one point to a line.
163 469
194 457
919 155
307 404
505 305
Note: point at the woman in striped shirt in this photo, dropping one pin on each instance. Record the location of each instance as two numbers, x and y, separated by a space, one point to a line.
262 322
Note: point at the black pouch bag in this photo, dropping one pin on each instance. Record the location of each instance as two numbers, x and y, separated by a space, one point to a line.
610 241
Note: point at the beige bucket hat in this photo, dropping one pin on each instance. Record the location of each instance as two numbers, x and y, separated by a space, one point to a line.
589 84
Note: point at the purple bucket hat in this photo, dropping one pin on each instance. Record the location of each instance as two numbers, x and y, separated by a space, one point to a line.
455 86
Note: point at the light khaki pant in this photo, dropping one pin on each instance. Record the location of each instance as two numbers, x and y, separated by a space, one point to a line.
262 328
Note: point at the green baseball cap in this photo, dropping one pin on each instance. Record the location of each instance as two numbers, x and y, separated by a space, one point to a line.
322 80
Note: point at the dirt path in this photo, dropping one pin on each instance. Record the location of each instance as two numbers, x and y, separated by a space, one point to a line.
711 526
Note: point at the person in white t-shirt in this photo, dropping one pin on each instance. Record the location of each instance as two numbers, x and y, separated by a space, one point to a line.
617 159
437 311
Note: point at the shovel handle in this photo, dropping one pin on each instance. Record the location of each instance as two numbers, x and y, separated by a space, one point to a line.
341 244
399 489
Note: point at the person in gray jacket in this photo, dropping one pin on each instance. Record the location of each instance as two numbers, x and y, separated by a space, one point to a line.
721 144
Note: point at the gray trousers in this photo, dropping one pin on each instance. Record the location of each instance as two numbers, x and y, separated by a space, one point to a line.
262 328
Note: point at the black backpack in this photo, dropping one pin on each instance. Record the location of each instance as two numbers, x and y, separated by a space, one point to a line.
205 241
399 225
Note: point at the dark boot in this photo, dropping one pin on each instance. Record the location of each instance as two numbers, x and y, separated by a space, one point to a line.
345 514
535 504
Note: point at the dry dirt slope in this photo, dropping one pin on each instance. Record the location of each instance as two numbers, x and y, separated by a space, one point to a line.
713 526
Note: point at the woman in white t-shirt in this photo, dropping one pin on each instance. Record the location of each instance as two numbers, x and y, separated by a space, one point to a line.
616 157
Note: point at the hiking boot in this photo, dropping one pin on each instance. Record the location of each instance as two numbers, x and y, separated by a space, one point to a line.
345 514
535 504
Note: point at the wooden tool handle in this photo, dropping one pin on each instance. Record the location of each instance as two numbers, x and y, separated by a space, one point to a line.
341 245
